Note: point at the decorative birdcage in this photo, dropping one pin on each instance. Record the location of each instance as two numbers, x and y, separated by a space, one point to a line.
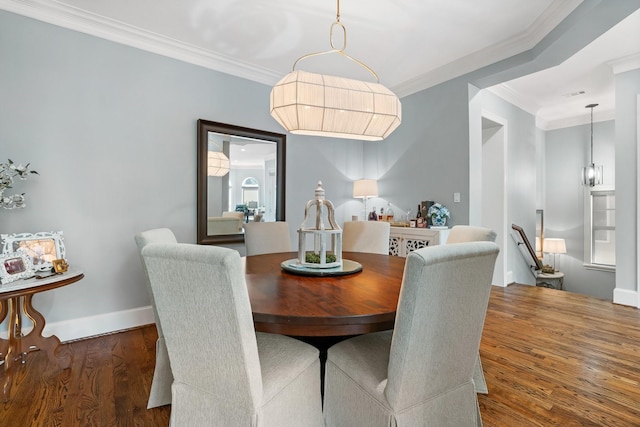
327 237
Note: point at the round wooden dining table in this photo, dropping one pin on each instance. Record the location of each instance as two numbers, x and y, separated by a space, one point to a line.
324 306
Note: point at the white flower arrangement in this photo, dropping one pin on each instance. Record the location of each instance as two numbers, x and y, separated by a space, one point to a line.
438 213
9 171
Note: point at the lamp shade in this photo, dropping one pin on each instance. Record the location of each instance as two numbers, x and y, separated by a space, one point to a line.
555 246
217 163
364 188
592 175
318 104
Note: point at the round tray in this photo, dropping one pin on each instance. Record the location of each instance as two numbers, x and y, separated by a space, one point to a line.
348 267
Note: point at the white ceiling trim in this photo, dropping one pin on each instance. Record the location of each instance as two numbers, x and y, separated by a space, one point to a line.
601 116
513 97
96 25
506 92
629 63
79 20
527 40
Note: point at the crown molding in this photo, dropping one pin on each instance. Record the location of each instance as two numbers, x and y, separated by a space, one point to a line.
512 96
583 119
508 94
76 19
628 63
99 26
528 39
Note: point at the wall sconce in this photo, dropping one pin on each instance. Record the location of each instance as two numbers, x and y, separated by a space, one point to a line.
364 189
554 247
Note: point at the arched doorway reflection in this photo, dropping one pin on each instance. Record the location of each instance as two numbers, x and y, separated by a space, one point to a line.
251 195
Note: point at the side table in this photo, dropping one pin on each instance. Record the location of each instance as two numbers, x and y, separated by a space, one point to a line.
550 280
15 300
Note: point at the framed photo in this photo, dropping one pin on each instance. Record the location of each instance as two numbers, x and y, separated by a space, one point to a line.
14 266
42 248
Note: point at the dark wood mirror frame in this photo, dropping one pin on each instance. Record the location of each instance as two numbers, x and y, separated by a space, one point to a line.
204 127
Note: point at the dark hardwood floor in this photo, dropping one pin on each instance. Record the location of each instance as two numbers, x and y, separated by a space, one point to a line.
551 358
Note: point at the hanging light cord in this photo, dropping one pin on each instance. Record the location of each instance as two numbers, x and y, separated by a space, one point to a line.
339 51
592 106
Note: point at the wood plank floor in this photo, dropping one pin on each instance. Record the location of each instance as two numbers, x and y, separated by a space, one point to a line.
551 358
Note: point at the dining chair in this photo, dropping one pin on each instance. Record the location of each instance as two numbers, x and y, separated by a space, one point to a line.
421 372
266 237
366 236
225 373
160 393
470 233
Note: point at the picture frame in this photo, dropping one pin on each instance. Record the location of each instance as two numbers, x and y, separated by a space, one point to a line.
42 247
15 266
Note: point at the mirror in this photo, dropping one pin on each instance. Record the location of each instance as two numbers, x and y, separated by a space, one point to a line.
241 176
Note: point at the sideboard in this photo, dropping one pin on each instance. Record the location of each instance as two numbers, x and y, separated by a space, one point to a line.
403 240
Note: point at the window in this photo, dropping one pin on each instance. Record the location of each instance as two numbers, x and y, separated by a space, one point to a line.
600 241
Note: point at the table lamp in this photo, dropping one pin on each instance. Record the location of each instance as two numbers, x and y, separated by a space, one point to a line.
554 247
365 188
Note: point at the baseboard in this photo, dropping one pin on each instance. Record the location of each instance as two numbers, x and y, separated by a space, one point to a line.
75 329
508 278
626 297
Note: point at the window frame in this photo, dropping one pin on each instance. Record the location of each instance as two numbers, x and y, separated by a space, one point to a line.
589 228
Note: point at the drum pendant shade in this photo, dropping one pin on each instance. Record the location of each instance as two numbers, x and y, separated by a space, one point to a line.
318 104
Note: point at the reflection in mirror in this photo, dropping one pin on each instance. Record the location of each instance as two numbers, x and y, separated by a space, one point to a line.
240 179
539 233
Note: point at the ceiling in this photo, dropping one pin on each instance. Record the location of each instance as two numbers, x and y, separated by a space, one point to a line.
410 44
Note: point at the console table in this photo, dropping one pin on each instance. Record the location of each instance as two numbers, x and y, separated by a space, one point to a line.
403 240
15 300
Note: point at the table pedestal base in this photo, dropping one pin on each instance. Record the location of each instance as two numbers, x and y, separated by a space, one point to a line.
16 347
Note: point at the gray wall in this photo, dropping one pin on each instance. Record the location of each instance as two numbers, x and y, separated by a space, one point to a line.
628 116
112 131
427 158
521 180
567 152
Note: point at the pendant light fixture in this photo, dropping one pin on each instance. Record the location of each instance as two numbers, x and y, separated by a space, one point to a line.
318 104
592 174
217 163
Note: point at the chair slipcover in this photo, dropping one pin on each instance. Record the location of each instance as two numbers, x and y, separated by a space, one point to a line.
420 373
470 233
463 234
237 215
266 237
160 393
226 374
366 236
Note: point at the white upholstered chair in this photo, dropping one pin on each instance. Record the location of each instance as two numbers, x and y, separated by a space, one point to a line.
160 393
266 237
366 236
237 215
470 233
420 373
225 373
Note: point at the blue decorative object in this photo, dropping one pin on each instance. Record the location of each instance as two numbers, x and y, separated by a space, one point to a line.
438 214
